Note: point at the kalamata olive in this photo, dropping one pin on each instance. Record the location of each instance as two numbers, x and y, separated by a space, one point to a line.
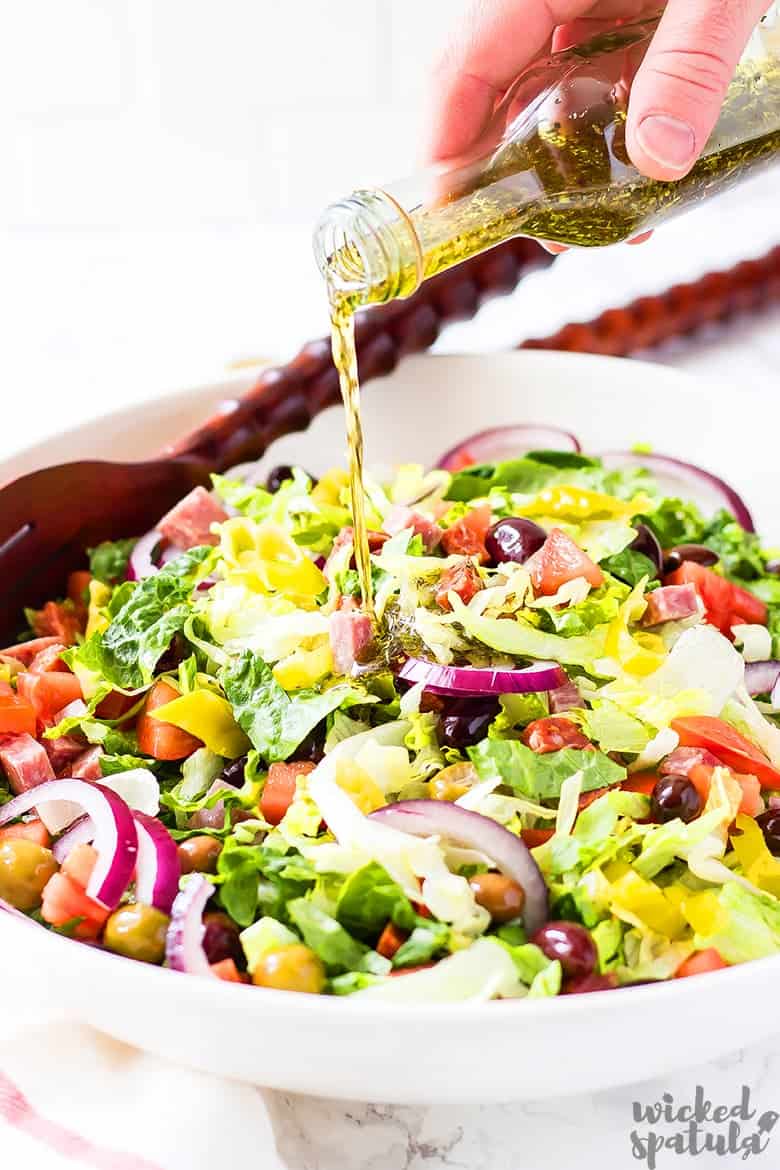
465 721
499 895
769 822
221 939
25 868
233 773
293 968
313 746
137 932
675 796
646 542
452 782
698 553
514 539
278 475
587 983
569 943
199 854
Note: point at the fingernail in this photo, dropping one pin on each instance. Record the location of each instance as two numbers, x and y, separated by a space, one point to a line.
668 141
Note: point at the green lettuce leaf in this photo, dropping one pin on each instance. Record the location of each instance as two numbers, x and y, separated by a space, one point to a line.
524 641
631 566
739 551
337 948
750 928
539 777
599 607
676 522
275 722
152 612
255 878
427 940
613 729
369 899
517 711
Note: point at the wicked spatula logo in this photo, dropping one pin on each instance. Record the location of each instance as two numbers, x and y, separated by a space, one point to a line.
668 1127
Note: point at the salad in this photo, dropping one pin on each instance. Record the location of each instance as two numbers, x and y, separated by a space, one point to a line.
548 763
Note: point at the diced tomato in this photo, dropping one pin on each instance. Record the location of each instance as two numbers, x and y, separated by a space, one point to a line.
748 607
34 830
64 899
279 789
57 619
752 804
463 579
115 705
725 604
728 744
643 782
79 863
163 741
49 692
16 714
700 963
534 837
391 940
227 970
560 560
467 537
553 733
78 585
587 798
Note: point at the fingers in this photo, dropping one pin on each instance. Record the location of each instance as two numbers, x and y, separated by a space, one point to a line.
494 42
679 90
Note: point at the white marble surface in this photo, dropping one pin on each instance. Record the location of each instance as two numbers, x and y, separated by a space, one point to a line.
96 319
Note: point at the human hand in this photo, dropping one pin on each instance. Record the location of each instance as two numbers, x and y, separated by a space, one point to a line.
676 95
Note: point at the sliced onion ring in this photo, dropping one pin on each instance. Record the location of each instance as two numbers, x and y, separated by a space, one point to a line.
675 476
157 870
81 832
510 854
141 562
116 840
507 442
472 681
761 678
184 941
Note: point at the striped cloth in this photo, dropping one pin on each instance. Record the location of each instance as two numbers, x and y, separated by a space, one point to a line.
72 1097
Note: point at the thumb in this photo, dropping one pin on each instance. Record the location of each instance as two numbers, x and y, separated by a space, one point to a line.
679 89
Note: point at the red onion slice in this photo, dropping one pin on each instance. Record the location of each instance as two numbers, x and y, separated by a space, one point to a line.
509 442
471 681
472 830
141 562
157 869
115 838
81 832
761 678
675 477
184 942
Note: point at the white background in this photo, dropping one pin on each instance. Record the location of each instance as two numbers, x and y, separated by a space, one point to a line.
163 162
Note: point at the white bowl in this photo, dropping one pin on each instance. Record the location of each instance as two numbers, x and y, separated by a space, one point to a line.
472 1053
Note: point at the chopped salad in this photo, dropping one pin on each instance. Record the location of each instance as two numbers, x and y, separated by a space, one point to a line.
548 763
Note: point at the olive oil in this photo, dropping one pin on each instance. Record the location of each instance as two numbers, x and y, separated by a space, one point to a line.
553 165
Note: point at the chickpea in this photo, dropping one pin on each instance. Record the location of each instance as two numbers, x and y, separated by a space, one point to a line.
138 932
292 968
199 854
25 868
501 897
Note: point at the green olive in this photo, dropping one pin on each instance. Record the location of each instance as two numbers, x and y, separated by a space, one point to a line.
199 854
499 895
293 968
25 869
138 932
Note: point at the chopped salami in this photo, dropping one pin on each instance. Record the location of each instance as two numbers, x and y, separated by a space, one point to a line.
565 698
25 652
350 633
463 579
552 734
86 765
400 517
25 762
671 603
62 751
682 760
347 536
188 524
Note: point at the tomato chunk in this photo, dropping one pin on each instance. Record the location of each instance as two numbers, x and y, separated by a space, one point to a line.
729 745
64 900
48 692
163 741
700 962
34 830
227 970
552 734
725 604
463 579
391 940
560 560
57 619
643 782
279 789
16 714
752 803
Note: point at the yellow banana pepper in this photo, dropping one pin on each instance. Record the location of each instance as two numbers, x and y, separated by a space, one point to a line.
705 913
638 900
304 668
359 786
266 560
99 597
328 489
209 717
567 502
758 864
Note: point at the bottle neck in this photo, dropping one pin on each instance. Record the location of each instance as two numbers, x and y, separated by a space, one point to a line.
367 249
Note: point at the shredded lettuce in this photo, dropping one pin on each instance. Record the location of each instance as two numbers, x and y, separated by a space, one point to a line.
483 971
748 926
540 777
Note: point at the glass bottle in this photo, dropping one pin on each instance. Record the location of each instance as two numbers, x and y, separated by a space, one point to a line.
552 165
